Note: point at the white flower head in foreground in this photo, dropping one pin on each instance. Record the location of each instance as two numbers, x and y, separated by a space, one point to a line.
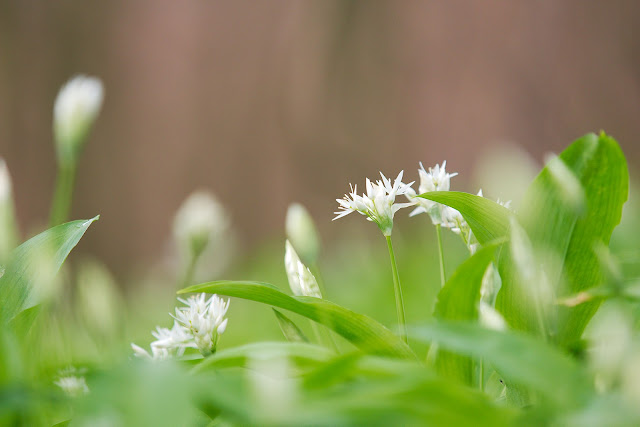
204 320
5 182
436 179
301 280
200 219
169 343
75 109
72 383
378 204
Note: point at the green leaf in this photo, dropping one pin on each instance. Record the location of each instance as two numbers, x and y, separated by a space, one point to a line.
488 220
34 264
524 360
303 354
571 207
290 330
362 331
458 300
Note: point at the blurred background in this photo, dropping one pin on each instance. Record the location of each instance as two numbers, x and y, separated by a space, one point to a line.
266 103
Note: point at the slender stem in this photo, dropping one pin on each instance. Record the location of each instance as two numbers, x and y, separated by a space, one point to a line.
443 275
398 292
63 194
481 379
190 270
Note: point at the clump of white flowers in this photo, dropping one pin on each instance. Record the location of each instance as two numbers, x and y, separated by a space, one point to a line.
76 107
72 382
301 280
204 320
198 325
378 204
436 179
199 221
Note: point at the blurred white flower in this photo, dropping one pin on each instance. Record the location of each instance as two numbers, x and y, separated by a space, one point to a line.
436 179
204 320
200 219
301 280
453 220
8 227
301 232
71 383
378 205
75 109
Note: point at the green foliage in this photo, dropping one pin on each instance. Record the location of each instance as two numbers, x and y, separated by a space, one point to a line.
360 330
555 269
31 269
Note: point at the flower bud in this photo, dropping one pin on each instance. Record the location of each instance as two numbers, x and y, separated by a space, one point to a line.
302 233
8 228
75 109
200 219
301 280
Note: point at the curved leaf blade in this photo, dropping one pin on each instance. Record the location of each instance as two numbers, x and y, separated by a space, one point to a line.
33 265
364 332
488 220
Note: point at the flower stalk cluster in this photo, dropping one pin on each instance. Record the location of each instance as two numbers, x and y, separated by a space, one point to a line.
198 325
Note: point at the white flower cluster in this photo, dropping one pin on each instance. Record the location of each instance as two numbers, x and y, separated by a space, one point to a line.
198 325
301 280
378 204
72 382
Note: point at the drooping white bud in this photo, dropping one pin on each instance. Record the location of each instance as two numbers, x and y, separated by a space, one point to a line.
301 232
301 280
5 182
76 108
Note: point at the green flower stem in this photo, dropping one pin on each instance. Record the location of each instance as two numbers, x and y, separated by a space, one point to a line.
398 292
63 194
481 379
443 275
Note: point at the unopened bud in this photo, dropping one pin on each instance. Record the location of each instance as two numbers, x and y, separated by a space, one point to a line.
200 219
301 232
76 108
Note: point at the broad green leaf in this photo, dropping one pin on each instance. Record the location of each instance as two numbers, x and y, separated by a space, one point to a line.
34 264
488 220
362 331
302 354
290 330
520 359
458 300
571 208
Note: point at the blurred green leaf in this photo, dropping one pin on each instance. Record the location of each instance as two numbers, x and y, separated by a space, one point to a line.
364 332
290 330
488 220
458 300
302 354
33 265
524 360
571 207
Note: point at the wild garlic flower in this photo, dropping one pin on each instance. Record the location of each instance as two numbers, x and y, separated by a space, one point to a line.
200 219
378 204
72 383
75 109
204 320
436 179
169 343
301 280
